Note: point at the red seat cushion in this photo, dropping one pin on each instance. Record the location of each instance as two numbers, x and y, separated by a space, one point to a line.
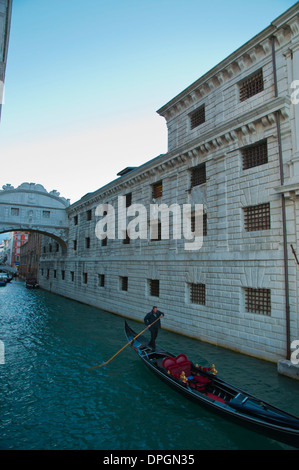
177 365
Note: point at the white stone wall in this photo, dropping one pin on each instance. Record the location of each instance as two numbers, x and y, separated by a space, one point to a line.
230 259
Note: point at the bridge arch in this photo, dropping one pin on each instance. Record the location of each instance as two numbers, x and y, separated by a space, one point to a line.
31 208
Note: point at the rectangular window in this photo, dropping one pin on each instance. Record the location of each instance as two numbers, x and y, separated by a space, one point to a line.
197 117
154 287
63 274
46 214
128 199
72 276
87 242
55 274
198 175
157 190
156 230
75 245
198 294
257 217
104 241
258 301
89 214
15 211
85 278
102 280
255 155
251 85
75 220
124 283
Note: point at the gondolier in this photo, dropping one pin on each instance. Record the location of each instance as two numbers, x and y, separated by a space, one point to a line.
149 318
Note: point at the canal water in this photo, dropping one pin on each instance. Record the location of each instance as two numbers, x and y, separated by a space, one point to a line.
51 399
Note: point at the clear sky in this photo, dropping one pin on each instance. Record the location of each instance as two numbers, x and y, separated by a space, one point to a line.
84 80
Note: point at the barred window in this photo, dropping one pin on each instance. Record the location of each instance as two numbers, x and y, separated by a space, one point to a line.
257 217
198 175
198 294
255 155
258 301
197 117
154 287
204 223
124 283
251 86
157 190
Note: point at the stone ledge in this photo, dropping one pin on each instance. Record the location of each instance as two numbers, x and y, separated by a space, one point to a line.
286 367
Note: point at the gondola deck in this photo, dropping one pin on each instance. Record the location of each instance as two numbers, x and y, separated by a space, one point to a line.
203 387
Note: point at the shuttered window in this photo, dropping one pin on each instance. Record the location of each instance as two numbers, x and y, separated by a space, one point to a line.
157 190
254 155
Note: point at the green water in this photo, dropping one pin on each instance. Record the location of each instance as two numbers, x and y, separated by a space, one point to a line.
50 399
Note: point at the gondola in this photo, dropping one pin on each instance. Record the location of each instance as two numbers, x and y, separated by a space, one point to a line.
201 385
32 283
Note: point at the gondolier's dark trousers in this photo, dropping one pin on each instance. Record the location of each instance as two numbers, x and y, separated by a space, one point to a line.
154 334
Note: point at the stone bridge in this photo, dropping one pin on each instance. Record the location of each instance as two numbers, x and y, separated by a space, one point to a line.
30 207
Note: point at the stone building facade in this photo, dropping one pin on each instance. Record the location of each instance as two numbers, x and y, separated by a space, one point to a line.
30 255
233 147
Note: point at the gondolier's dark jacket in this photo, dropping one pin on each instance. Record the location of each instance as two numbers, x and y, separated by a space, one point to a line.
151 316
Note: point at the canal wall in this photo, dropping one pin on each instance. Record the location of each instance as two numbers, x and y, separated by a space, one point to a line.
229 136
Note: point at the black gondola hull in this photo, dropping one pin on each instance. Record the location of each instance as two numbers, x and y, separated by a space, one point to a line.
286 431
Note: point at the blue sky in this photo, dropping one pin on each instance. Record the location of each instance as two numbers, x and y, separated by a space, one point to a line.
84 80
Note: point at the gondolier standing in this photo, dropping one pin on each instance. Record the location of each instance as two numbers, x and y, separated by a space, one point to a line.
149 318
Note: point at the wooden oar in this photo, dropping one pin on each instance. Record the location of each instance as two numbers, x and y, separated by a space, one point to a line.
101 365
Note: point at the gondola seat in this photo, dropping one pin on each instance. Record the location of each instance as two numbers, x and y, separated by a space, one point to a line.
177 365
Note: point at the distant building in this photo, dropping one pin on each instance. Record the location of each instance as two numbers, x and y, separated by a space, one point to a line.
17 240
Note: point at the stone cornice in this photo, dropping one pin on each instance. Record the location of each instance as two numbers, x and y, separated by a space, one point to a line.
245 57
208 144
